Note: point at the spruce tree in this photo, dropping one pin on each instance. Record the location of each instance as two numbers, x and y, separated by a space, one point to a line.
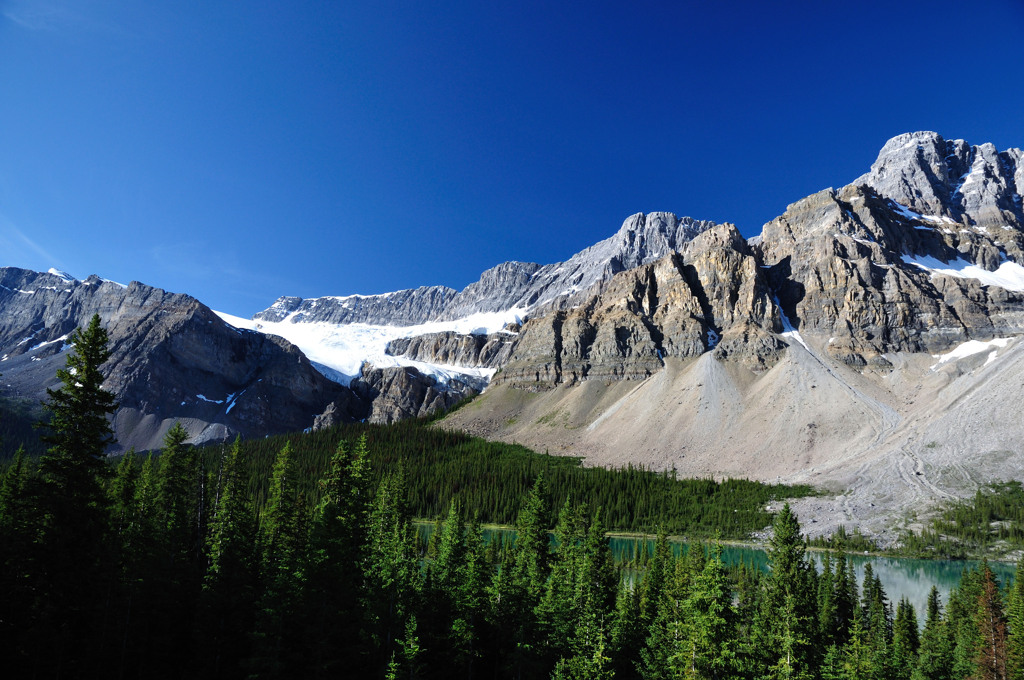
1015 626
935 654
73 523
990 662
335 584
785 623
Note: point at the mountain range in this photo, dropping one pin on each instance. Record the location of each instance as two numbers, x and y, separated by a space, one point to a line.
867 341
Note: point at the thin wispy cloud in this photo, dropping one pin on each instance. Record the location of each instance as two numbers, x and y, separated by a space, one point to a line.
18 246
46 15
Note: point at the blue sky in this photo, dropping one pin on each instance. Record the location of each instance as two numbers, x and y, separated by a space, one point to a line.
242 151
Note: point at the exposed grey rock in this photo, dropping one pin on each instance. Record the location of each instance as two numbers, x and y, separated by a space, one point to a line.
401 308
454 349
975 185
401 392
838 269
526 286
533 288
172 359
679 306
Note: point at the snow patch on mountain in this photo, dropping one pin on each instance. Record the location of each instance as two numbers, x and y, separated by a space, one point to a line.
1009 275
970 348
338 351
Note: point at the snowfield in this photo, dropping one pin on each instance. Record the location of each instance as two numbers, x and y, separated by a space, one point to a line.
1009 275
338 351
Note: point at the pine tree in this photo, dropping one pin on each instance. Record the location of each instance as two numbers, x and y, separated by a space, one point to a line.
961 615
230 584
846 596
784 624
905 641
878 618
178 498
990 662
935 654
710 629
471 597
628 633
17 534
558 609
283 541
1015 626
73 576
391 569
857 664
528 578
79 431
828 619
336 584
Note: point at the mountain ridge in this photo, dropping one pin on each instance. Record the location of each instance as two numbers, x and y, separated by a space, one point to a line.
822 350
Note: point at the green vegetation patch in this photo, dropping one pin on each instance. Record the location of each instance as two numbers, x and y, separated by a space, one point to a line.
991 522
491 478
17 419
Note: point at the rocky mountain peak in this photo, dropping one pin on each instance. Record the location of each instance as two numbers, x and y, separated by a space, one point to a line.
400 308
976 185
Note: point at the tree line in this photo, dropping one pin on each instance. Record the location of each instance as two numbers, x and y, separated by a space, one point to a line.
492 478
990 521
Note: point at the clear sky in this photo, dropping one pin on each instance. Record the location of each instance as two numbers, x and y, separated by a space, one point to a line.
242 151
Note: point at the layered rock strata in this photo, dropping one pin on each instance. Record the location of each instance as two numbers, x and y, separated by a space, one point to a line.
712 295
456 349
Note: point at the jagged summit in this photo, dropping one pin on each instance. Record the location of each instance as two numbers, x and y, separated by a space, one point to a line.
976 185
400 308
519 286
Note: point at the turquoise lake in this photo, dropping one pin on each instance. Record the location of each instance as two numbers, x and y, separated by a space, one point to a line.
901 577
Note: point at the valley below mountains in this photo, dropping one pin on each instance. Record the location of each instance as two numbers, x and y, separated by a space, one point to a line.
868 342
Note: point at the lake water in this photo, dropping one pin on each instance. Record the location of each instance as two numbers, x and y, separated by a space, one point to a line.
901 577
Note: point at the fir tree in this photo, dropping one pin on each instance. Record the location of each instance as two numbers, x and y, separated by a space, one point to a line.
784 625
1015 626
990 662
905 641
935 654
73 504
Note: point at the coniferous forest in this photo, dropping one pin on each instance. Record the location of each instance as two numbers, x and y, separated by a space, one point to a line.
171 567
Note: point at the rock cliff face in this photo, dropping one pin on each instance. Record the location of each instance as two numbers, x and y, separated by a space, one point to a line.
455 349
862 273
520 285
530 287
973 185
710 296
172 359
401 308
401 392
